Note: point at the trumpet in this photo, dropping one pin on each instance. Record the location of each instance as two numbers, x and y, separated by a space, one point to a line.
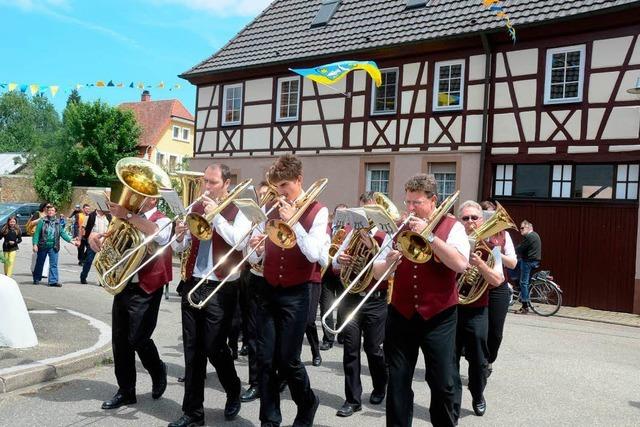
281 234
200 225
269 197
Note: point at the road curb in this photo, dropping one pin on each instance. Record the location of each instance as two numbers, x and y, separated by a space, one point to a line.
48 372
587 319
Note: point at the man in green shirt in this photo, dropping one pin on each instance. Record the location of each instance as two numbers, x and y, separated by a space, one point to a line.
46 243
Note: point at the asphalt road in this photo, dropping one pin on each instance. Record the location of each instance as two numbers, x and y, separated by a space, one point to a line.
550 372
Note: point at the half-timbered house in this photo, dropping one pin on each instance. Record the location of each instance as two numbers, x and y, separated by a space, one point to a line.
544 125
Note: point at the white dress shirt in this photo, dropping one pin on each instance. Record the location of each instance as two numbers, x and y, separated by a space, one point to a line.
163 236
231 233
345 243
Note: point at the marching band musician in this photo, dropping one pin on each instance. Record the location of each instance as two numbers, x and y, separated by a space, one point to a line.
471 331
422 313
367 325
135 309
283 298
205 331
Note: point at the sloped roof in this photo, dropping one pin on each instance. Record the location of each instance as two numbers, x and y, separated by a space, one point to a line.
11 162
154 117
282 32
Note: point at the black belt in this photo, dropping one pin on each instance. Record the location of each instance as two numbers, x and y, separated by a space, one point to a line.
206 282
377 294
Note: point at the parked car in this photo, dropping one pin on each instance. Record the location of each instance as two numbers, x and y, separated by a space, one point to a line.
22 212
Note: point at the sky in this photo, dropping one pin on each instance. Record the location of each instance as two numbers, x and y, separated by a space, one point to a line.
69 42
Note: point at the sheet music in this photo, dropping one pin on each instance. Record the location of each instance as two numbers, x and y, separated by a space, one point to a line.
355 217
381 219
250 210
173 200
100 199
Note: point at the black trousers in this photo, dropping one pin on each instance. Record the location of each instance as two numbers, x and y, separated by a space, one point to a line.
311 330
82 249
498 307
436 338
331 288
471 335
204 335
248 304
282 319
134 316
368 327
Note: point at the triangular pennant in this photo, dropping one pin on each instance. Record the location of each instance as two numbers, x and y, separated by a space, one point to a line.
140 85
23 88
3 85
33 89
110 84
100 83
79 86
161 85
131 85
54 90
12 86
120 84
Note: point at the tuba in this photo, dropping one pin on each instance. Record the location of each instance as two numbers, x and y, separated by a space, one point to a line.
31 225
140 180
414 246
362 248
471 284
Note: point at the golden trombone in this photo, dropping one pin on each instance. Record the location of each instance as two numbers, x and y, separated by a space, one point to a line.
417 252
278 235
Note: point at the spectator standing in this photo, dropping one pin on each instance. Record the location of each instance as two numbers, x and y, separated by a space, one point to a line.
46 243
81 220
31 227
12 237
97 222
529 253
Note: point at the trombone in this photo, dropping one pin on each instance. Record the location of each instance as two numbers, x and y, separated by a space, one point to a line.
281 227
152 236
434 219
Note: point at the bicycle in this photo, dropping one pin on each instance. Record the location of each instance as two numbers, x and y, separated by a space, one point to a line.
545 294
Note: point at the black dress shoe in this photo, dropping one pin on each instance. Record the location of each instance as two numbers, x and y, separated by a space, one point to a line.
119 400
187 421
348 409
159 383
83 281
55 285
376 398
317 361
232 407
250 395
479 407
326 345
244 351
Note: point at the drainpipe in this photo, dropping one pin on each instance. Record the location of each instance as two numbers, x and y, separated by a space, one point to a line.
485 111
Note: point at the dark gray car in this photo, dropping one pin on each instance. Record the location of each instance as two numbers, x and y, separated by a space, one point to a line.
22 212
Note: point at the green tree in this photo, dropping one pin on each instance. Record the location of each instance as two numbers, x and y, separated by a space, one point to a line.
93 138
26 123
74 98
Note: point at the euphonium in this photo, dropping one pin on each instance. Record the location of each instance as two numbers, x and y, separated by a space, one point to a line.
362 248
30 228
192 187
281 232
414 246
141 179
200 225
471 284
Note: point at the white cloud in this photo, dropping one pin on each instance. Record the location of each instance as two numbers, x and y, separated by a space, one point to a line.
222 7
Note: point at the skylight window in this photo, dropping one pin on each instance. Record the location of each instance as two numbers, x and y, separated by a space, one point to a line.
327 9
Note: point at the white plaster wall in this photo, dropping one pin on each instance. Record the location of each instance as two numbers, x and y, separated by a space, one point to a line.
525 93
628 81
204 96
410 74
609 52
257 114
522 62
601 86
476 67
593 122
254 139
209 142
356 134
213 119
528 120
505 128
311 136
473 132
501 96
201 116
333 108
310 111
475 97
357 107
623 123
258 89
335 135
359 80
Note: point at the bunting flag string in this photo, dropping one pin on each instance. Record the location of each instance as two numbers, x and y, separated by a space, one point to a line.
35 88
496 6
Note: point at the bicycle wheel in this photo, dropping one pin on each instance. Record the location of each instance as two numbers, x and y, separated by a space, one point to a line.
545 298
513 295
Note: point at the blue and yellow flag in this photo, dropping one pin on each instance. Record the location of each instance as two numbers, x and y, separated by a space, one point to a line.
331 73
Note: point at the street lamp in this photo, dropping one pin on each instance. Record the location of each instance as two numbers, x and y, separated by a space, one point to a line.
635 90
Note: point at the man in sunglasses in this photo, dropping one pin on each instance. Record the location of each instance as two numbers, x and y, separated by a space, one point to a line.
422 314
473 318
529 255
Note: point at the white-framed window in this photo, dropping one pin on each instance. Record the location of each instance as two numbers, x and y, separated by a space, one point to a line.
176 132
627 182
561 181
445 174
232 105
385 97
448 85
503 185
159 158
377 177
288 100
564 75
185 134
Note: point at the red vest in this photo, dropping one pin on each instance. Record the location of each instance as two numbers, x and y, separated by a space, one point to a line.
219 246
428 288
497 240
160 270
289 267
